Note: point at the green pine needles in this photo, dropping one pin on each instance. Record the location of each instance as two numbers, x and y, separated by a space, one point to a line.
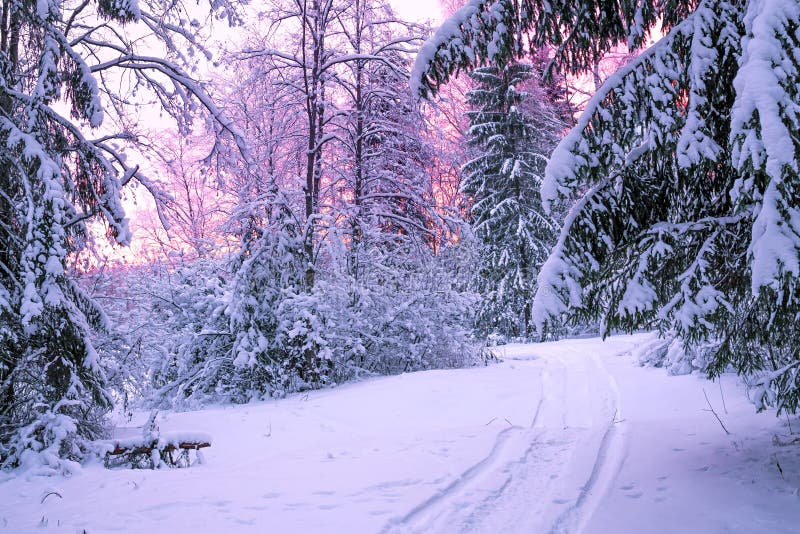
513 130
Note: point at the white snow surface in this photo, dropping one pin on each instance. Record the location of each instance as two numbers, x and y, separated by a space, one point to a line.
567 436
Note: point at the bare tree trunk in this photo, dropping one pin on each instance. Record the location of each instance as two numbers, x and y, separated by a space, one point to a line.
358 156
9 249
313 30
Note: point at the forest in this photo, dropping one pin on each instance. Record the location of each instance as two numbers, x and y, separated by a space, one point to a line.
222 203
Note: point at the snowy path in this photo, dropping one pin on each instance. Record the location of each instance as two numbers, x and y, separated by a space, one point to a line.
560 437
538 478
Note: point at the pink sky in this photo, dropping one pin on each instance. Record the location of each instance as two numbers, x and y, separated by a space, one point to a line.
418 10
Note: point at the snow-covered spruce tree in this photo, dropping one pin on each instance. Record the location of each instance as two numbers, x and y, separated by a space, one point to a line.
514 136
684 173
60 64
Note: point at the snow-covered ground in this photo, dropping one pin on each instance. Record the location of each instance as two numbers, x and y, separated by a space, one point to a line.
560 437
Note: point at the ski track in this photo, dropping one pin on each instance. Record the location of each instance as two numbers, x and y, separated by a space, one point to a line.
607 464
446 502
540 467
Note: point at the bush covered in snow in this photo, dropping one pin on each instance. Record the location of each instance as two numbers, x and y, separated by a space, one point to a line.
234 343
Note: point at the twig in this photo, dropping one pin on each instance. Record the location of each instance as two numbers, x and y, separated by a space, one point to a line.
778 442
715 413
493 419
722 396
46 495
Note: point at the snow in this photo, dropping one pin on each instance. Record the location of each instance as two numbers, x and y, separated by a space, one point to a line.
448 32
162 439
762 98
563 436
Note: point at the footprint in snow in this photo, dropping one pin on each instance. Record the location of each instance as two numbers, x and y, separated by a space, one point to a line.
560 501
627 487
634 495
678 449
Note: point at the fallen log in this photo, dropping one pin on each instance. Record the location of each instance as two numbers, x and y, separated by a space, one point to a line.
155 451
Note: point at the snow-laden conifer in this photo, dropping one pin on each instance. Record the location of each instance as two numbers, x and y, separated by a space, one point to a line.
513 131
681 176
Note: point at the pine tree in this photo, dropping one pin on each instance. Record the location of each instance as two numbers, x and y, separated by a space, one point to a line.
683 173
513 136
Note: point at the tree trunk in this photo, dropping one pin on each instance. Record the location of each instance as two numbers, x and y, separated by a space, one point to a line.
10 251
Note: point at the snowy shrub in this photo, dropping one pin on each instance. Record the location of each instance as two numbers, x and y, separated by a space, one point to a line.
135 335
671 352
262 336
156 311
417 317
192 365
